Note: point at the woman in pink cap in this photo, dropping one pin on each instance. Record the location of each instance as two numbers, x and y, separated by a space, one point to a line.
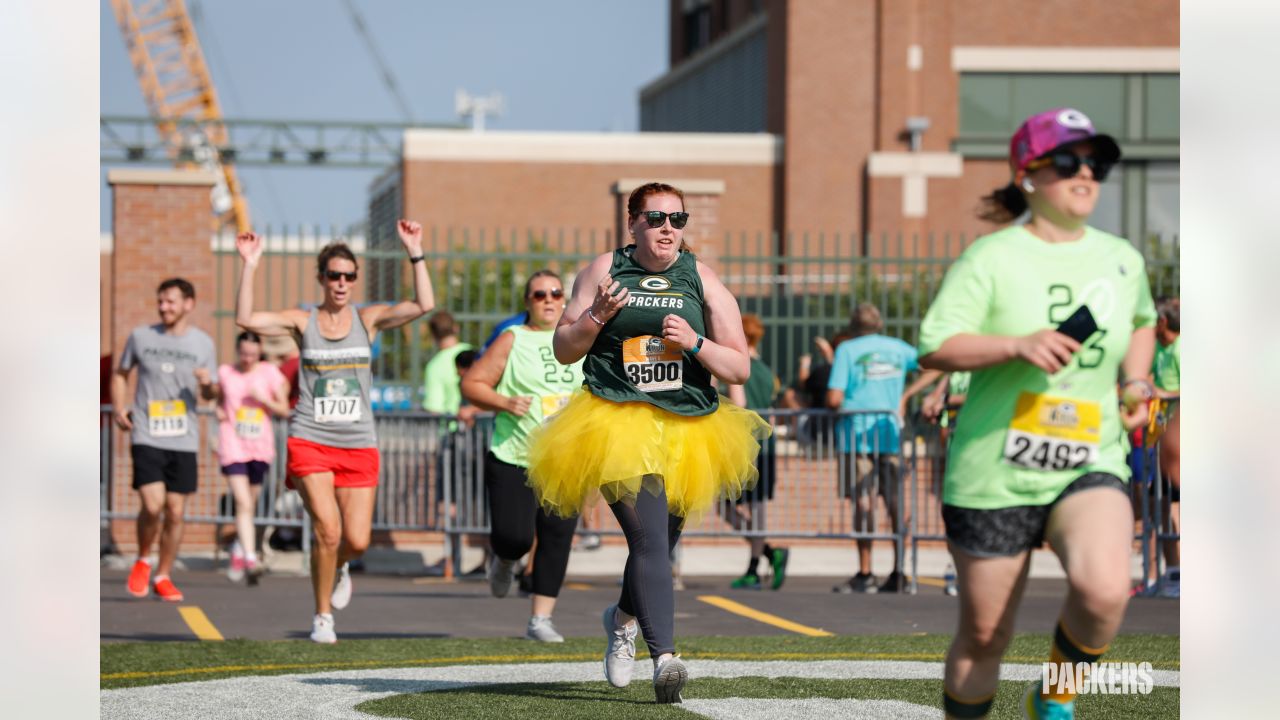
1046 314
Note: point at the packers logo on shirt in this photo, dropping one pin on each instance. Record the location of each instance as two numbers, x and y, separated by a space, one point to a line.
655 283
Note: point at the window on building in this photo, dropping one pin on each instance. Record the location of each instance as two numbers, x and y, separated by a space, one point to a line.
697 25
1162 201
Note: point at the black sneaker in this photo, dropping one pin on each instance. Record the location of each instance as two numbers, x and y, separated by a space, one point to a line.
895 583
860 583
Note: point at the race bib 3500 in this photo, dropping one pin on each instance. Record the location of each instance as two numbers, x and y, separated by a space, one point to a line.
653 364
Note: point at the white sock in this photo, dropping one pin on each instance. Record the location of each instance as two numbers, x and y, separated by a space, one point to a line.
144 561
251 556
326 616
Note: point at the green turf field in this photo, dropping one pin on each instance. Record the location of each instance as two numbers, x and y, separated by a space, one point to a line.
138 664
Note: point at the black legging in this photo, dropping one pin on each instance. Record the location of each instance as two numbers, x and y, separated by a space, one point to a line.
646 582
514 516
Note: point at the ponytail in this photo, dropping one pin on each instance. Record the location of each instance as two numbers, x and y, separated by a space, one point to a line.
1003 205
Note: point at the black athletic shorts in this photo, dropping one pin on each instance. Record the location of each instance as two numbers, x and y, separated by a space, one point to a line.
175 468
1003 532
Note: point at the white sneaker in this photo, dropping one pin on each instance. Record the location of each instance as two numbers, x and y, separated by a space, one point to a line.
541 629
322 629
501 574
620 650
669 679
341 595
236 568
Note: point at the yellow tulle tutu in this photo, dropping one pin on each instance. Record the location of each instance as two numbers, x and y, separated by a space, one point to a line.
598 448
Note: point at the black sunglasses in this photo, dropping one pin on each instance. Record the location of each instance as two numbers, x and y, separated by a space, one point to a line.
542 294
656 218
334 275
1067 165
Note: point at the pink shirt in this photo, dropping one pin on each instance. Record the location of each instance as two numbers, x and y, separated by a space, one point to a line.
246 433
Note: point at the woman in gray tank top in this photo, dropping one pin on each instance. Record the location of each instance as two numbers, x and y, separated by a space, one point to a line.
333 450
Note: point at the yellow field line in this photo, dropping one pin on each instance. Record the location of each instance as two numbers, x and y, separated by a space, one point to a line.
934 582
566 657
764 617
199 623
578 586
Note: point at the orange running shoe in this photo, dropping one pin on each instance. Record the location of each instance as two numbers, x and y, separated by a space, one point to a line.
167 590
138 577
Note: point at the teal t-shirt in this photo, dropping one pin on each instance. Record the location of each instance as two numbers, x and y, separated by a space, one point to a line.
533 371
1022 436
1165 366
871 371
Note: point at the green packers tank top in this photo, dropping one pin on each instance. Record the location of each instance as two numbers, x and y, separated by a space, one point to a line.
532 370
630 361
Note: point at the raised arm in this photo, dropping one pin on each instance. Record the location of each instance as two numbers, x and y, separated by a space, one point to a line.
593 304
286 322
724 351
385 317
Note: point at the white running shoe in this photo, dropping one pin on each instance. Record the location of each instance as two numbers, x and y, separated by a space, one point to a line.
322 629
669 679
541 629
341 595
620 650
501 574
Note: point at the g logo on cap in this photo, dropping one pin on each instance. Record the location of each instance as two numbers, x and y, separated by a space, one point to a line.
1074 119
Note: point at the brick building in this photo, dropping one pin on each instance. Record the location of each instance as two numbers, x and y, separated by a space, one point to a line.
848 116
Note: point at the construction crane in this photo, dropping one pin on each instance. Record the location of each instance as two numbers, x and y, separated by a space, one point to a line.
165 53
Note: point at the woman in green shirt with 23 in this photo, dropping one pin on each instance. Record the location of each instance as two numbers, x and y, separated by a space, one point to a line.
519 378
1038 452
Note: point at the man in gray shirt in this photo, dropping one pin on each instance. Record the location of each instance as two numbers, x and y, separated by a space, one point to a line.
176 366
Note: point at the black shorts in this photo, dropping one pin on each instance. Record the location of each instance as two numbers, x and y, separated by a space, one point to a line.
255 469
175 468
1002 532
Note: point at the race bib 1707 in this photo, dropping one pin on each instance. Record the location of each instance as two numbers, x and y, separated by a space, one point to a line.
337 401
1049 433
167 418
653 364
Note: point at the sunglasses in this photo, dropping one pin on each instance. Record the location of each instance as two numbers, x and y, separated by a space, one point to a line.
542 294
334 275
1067 165
656 218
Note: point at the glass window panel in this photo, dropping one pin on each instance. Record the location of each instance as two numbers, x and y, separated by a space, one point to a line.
1107 214
1161 108
1101 97
1162 200
984 105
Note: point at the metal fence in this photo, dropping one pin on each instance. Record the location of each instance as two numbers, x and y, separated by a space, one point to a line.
432 479
801 285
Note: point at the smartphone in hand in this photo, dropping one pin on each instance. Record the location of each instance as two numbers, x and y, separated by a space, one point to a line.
1080 325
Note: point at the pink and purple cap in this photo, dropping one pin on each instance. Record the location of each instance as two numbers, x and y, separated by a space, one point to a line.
1044 132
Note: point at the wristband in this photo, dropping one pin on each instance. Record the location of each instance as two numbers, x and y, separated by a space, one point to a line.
594 319
697 347
1151 389
417 258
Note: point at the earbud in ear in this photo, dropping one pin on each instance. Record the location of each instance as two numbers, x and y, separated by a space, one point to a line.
1026 185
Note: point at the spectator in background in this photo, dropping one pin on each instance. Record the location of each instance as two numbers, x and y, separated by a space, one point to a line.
809 392
282 351
440 393
757 393
869 374
1167 380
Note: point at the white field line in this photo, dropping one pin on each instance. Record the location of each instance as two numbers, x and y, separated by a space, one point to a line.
334 695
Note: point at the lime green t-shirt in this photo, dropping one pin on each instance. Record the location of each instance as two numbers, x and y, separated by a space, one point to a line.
440 382
532 370
1022 436
1165 366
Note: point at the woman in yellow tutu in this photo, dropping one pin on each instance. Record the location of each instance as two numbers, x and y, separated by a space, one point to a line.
648 431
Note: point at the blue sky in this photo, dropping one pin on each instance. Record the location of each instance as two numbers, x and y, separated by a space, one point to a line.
561 65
